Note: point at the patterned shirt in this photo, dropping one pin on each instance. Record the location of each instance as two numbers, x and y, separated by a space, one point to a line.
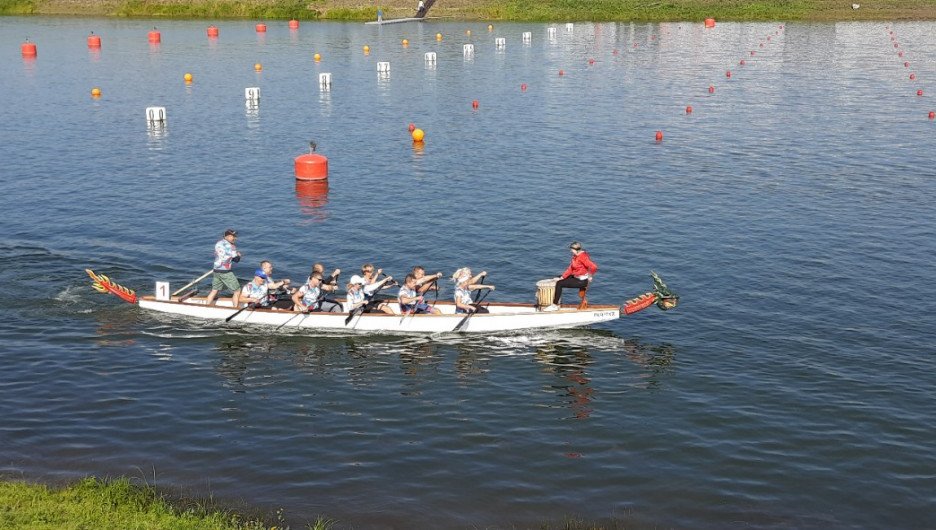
310 295
224 253
355 298
462 294
258 292
408 293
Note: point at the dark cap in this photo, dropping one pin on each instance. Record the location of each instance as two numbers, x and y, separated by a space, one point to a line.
575 245
230 232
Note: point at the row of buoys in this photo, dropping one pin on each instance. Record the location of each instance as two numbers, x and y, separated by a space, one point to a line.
900 54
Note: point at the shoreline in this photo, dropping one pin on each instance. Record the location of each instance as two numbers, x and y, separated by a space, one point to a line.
482 10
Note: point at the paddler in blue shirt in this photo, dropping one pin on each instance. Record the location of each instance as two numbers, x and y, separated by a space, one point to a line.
226 254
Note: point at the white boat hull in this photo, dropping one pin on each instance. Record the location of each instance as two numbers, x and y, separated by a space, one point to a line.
502 317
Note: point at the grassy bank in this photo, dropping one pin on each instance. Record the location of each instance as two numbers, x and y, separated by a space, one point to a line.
505 10
93 503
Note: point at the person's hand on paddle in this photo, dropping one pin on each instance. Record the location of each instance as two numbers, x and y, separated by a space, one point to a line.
336 273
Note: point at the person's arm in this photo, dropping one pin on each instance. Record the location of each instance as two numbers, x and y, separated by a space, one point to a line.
589 264
467 307
477 277
297 300
476 286
426 282
409 300
568 271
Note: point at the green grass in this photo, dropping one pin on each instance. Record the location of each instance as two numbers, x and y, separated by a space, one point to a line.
93 503
647 10
17 7
286 9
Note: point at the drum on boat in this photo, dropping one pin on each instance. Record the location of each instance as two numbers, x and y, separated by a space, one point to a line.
545 290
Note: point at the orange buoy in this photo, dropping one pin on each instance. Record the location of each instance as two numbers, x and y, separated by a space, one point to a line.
212 32
728 74
474 104
258 67
317 57
187 77
710 22
95 92
711 89
293 24
523 87
689 109
659 136
28 49
912 77
154 36
261 28
919 92
412 127
561 72
418 135
311 166
438 36
932 115
94 41
405 42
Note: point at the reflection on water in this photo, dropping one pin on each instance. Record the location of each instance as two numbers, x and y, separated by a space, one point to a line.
313 199
252 113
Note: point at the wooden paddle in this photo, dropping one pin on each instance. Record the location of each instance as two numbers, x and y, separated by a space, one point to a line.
200 278
251 306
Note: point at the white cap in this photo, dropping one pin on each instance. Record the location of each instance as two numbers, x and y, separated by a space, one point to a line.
356 279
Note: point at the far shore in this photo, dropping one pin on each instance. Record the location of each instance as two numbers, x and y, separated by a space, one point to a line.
489 10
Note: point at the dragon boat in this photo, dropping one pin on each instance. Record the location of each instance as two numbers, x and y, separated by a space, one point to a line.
501 317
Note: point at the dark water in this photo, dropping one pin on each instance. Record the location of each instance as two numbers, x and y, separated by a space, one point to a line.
792 210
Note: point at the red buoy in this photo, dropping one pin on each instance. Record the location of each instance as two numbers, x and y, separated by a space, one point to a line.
28 49
523 87
689 109
293 24
659 136
311 166
752 53
900 54
412 127
261 28
919 92
728 74
742 63
906 64
474 104
614 52
912 77
154 36
932 115
896 45
710 22
94 41
561 72
711 89
213 32
591 61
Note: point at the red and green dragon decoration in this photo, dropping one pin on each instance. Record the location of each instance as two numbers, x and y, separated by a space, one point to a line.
661 296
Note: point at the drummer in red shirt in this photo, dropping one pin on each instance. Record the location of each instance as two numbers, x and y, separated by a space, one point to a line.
579 273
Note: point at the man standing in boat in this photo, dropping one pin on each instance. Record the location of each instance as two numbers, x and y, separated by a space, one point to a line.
577 276
226 254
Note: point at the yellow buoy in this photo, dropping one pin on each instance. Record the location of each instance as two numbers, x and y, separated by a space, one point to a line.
405 42
490 27
438 36
258 67
317 57
366 49
95 92
187 77
468 32
418 135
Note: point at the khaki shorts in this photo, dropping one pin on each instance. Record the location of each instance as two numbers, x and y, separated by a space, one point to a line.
224 279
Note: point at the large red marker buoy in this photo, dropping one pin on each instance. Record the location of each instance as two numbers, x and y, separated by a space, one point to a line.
154 36
932 115
710 22
94 41
689 109
474 104
659 136
311 166
261 28
28 49
293 24
213 32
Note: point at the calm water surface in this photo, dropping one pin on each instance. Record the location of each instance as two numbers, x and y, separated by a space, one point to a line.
792 210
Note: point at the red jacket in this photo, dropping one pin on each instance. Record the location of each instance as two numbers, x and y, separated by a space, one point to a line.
580 266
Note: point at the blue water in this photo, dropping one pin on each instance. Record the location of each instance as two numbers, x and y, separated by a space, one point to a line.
792 211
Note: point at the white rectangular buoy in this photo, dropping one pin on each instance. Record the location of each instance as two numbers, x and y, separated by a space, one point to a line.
468 50
156 114
325 81
430 57
383 67
162 291
527 36
252 93
570 27
551 32
500 42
